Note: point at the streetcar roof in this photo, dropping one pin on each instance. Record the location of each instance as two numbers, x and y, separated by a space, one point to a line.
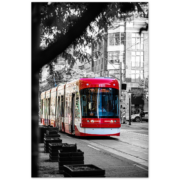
91 80
95 78
99 82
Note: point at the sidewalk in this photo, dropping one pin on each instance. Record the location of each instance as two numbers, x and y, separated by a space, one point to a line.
46 167
135 134
135 125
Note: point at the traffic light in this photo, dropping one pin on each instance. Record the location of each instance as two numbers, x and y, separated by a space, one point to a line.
123 86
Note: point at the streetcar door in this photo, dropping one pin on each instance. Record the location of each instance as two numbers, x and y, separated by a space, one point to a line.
45 112
58 113
62 114
72 113
48 111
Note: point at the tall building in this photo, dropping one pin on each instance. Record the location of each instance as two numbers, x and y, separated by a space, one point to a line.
124 50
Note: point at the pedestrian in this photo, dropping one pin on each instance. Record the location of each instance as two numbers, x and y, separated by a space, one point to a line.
137 111
133 110
140 113
124 115
121 111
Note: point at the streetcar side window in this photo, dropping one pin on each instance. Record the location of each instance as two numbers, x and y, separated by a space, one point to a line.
45 107
48 106
66 104
84 105
62 106
42 107
58 107
52 106
77 107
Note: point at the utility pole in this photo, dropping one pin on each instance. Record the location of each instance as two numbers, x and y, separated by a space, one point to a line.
104 58
105 52
120 80
129 109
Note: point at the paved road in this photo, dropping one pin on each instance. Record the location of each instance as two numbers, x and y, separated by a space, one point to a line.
124 156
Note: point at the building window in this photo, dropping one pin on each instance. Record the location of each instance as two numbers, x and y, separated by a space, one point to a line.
137 59
115 57
136 75
122 56
137 41
116 39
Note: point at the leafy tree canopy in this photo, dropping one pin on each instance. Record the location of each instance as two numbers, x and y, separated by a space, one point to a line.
58 18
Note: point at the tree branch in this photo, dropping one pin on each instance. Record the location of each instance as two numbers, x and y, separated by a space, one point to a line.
45 56
140 9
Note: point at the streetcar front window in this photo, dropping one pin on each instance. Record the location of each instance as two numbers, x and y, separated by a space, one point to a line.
100 102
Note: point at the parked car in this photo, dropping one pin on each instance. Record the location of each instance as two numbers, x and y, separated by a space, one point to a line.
145 115
136 117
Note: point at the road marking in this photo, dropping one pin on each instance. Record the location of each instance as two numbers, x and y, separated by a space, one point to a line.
93 147
140 167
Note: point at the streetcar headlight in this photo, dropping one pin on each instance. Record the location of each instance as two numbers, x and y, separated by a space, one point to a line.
114 120
87 120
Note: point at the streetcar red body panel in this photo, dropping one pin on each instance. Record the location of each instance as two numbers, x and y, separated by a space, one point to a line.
85 107
100 123
95 82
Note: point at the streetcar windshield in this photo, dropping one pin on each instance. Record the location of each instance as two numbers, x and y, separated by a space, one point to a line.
99 103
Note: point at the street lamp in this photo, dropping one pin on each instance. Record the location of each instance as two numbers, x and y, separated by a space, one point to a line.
129 93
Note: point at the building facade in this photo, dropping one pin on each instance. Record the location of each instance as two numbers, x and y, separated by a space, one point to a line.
124 54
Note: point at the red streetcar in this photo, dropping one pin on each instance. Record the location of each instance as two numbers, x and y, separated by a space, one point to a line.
85 107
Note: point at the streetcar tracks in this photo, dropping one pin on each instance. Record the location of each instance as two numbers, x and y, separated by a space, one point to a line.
140 167
126 155
94 147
